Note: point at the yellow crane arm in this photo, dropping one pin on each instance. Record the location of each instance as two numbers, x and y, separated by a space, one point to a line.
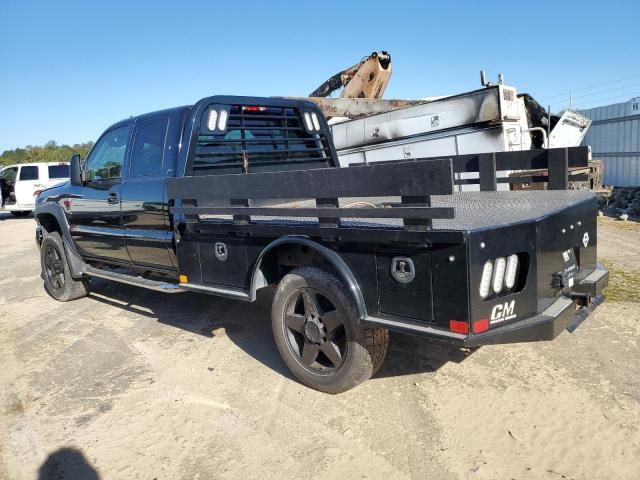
366 79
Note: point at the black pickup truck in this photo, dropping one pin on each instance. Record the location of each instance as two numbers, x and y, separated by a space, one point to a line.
235 194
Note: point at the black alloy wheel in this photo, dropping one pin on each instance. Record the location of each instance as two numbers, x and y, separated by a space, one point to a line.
58 280
315 333
317 330
53 269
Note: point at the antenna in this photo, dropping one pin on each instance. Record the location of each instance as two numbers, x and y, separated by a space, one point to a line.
485 83
483 79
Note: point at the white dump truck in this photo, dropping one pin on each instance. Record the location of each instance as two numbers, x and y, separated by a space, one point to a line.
367 128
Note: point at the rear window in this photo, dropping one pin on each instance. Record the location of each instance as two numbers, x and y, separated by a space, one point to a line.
58 171
29 173
258 139
148 147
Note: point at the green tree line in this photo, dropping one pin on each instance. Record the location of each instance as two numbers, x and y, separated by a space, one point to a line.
49 152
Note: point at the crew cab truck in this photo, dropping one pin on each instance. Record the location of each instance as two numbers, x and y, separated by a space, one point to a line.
235 194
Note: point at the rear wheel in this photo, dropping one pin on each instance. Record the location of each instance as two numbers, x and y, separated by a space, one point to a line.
316 329
21 213
58 281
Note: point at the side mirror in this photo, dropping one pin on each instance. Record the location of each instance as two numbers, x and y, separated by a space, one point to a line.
75 173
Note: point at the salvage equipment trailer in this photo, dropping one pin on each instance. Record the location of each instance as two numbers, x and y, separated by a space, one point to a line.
235 194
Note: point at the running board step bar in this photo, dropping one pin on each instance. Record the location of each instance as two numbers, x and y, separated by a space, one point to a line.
234 293
138 281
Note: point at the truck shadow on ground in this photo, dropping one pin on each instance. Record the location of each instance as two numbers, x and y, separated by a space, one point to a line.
6 215
248 326
67 464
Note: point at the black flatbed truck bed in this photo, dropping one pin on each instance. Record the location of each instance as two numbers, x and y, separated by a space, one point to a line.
493 219
355 252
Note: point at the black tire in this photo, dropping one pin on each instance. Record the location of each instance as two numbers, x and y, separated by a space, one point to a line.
21 213
58 281
316 330
377 343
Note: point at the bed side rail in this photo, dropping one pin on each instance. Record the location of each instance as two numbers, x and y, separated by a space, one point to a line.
555 166
414 182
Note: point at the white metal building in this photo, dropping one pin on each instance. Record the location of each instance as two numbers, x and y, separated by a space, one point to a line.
614 137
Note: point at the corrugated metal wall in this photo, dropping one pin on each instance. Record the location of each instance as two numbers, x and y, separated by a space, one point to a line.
614 137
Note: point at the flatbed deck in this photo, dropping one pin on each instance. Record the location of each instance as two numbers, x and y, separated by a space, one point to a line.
482 210
474 211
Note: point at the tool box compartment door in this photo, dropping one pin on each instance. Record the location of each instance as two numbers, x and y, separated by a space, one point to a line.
404 284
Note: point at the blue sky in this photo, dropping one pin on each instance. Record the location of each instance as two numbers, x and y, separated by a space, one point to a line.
70 69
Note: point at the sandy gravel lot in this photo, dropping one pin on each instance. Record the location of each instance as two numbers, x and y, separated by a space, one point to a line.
131 384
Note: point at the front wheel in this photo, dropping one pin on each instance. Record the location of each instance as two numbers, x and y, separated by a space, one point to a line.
316 329
56 274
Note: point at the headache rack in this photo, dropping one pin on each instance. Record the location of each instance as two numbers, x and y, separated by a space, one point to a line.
315 199
258 138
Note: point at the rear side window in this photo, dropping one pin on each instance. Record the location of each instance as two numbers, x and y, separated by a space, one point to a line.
29 173
148 147
58 171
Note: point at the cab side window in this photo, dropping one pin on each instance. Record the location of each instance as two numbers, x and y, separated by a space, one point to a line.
106 159
29 173
148 147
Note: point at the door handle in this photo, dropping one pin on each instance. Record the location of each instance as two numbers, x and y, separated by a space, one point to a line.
112 197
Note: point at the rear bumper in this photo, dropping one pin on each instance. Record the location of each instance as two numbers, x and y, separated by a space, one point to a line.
560 315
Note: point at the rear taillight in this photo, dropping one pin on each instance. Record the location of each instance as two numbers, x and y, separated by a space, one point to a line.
498 274
512 269
458 326
500 266
485 281
480 326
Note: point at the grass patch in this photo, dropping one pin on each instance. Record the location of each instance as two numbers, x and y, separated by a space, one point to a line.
624 284
629 225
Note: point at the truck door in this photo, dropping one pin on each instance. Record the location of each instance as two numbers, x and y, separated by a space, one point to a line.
94 216
27 183
144 206
7 185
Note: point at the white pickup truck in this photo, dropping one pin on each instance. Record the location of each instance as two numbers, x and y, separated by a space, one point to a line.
21 184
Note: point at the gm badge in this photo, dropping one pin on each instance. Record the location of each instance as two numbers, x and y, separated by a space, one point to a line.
402 269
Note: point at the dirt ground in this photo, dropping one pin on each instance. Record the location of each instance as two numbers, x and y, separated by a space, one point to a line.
131 384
